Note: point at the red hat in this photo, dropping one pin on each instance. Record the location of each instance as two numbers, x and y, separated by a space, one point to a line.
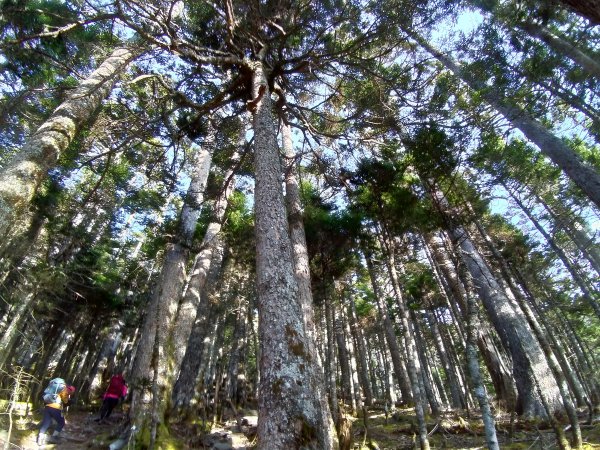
71 389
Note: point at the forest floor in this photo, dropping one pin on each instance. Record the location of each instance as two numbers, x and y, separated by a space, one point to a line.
453 430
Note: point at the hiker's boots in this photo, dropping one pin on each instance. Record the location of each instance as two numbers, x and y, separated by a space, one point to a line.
55 438
42 439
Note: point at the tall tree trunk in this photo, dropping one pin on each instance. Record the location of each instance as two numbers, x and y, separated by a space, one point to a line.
575 231
583 175
473 325
302 273
563 47
587 295
530 367
498 368
331 364
206 313
288 401
188 306
361 350
390 333
161 311
23 174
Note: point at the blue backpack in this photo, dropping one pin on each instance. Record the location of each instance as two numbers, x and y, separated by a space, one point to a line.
55 387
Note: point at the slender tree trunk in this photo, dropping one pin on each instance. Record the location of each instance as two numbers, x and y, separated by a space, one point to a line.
343 357
288 401
473 324
361 350
331 364
22 175
573 229
498 368
390 334
588 296
562 47
583 175
530 367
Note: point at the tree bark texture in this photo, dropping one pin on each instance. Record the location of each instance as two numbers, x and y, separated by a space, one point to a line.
288 404
302 271
22 175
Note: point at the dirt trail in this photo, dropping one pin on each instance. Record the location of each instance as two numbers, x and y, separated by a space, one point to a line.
80 432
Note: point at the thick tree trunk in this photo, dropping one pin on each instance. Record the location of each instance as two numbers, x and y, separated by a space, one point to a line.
288 401
302 272
183 390
583 175
22 175
165 298
188 306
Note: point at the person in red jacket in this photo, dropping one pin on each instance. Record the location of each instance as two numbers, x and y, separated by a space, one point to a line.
117 390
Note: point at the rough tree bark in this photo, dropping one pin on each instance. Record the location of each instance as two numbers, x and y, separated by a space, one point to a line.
23 174
288 401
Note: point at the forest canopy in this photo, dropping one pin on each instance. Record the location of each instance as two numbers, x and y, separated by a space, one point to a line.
311 210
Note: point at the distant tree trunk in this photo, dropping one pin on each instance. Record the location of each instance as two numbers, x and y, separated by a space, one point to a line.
563 47
343 357
238 346
421 350
361 350
451 381
583 175
288 402
331 364
22 175
498 368
530 367
390 334
412 359
573 229
165 298
587 294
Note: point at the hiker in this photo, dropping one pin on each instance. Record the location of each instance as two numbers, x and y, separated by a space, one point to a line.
55 396
117 390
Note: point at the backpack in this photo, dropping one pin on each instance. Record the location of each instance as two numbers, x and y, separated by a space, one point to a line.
55 387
